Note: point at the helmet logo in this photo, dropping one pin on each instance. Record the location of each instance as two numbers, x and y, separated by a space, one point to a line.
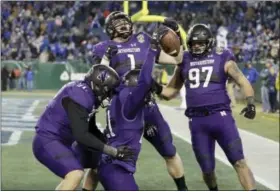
103 76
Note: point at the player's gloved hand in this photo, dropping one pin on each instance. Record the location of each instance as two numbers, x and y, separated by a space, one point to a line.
150 130
156 37
172 24
249 111
111 51
124 153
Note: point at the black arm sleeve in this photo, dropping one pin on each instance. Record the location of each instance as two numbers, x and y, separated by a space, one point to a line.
92 124
78 117
93 129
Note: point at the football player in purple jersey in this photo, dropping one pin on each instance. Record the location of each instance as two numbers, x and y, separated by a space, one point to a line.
204 72
66 120
132 51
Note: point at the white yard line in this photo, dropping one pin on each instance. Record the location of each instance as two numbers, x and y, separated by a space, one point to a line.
17 129
14 138
261 153
16 119
29 113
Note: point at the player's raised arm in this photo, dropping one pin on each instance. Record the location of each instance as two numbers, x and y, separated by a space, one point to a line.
136 98
164 58
173 87
233 71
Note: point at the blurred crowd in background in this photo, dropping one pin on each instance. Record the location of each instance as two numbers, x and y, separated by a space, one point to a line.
68 30
17 78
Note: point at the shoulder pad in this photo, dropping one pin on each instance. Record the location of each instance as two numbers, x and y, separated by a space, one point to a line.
186 54
100 46
229 55
82 94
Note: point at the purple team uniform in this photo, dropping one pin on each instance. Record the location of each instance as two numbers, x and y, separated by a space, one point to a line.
53 144
210 117
123 129
131 55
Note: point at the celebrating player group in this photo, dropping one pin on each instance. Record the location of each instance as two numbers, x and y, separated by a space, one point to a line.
68 141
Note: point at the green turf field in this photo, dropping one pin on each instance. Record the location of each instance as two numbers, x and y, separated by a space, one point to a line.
21 171
266 125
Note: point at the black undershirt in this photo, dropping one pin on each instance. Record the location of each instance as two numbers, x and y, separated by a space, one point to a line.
78 118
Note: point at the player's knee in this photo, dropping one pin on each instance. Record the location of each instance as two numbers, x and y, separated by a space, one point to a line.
93 171
74 176
169 153
172 156
240 164
207 167
234 151
93 174
206 163
209 175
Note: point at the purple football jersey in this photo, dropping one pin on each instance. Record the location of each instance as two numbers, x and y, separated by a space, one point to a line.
54 121
131 54
205 78
121 131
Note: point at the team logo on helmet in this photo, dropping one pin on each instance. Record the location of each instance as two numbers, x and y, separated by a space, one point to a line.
103 76
140 38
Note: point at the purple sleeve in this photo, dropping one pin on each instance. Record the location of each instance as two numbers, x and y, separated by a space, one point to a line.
146 36
136 98
82 95
229 56
99 50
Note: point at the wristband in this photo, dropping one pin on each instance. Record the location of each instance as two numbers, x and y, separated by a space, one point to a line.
250 100
158 89
109 150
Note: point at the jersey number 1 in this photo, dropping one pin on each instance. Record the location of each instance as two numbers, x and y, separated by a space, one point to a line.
194 76
132 61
